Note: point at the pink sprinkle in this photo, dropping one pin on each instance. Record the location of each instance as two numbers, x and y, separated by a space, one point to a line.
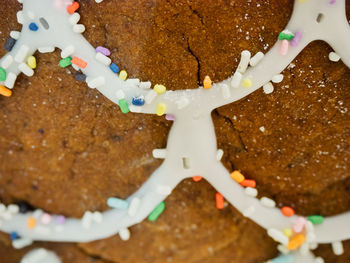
297 37
332 2
299 225
284 47
60 220
103 50
170 117
45 218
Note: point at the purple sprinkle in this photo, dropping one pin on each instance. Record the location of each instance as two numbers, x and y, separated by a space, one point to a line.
103 50
332 2
170 117
297 37
60 220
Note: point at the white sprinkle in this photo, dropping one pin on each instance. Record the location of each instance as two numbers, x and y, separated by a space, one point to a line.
145 85
2 208
243 64
164 190
13 209
46 49
283 249
251 191
75 67
103 59
21 243
97 217
256 59
10 80
249 211
120 94
87 219
219 154
134 206
15 34
268 88
304 249
22 53
182 103
150 96
159 153
278 235
25 69
134 108
319 260
66 52
37 213
79 28
7 61
338 248
96 82
74 18
277 78
98 1
262 128
124 234
313 245
225 90
333 57
20 17
31 15
265 201
236 80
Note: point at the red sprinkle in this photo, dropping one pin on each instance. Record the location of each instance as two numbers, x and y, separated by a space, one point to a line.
79 62
248 183
220 202
197 178
73 7
287 211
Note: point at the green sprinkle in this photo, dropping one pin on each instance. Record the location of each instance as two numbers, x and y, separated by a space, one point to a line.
156 212
316 219
65 62
287 36
124 106
2 74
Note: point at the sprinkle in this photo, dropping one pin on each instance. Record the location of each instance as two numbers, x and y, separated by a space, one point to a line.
283 249
277 78
97 217
237 176
160 89
319 260
338 248
45 218
134 206
13 209
236 80
124 234
249 211
96 82
278 236
247 83
79 62
33 27
20 17
284 47
21 243
87 219
197 178
163 190
80 77
334 57
297 37
23 67
159 153
251 191
268 202
316 219
268 88
44 23
114 68
145 85
10 80
15 34
123 75
31 62
288 232
287 211
74 18
170 117
65 62
124 106
285 34
30 14
139 101
225 90
47 49
299 224
78 28
31 222
207 82
22 53
7 61
68 51
2 74
103 59
248 183
219 154
23 207
10 44
156 212
220 202
161 108
245 59
117 203
60 220
256 59
14 236
296 241
73 7
103 50
289 258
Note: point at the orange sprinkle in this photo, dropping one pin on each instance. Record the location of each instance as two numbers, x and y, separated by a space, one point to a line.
207 82
5 91
79 62
31 222
287 211
296 241
197 178
73 7
219 201
237 176
248 183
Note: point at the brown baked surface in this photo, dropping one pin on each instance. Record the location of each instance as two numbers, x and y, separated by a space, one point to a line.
66 149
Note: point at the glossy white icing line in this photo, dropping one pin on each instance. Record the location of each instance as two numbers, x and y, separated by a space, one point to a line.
198 148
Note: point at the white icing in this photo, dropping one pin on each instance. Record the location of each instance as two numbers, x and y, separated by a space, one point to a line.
190 151
40 255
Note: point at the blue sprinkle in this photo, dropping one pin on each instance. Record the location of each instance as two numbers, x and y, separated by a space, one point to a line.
114 68
33 27
138 101
14 235
117 203
289 258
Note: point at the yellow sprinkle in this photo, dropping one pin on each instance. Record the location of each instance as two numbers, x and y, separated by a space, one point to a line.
288 232
123 75
31 62
247 83
237 176
31 222
160 89
161 108
5 91
207 82
296 241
